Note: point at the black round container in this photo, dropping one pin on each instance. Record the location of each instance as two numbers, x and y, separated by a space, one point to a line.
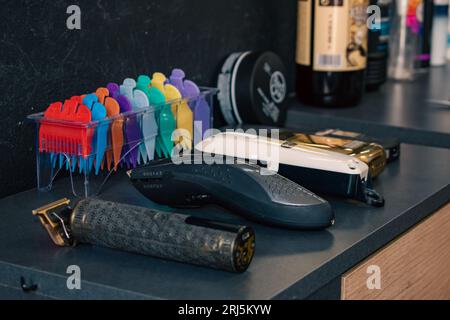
253 89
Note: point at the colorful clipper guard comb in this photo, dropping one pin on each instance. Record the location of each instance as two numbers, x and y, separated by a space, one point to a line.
85 164
67 111
133 128
55 137
177 80
101 131
184 116
116 140
73 158
52 112
101 94
143 83
55 112
164 144
140 101
183 110
132 132
201 109
158 81
150 126
126 89
198 104
167 120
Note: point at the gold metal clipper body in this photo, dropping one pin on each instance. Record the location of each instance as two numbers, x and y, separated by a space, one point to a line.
370 153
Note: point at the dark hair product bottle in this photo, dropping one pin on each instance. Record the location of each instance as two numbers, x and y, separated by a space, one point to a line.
376 72
331 51
420 19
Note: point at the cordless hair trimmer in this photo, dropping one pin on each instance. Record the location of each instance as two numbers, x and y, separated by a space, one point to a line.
151 232
268 199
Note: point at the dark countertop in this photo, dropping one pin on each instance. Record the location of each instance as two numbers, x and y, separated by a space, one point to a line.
398 109
287 264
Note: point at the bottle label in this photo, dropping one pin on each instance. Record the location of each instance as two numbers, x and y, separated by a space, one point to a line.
340 35
304 32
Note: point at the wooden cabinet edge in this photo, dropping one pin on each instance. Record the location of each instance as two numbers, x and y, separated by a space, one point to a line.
404 265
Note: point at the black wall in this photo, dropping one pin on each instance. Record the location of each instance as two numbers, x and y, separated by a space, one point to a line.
41 61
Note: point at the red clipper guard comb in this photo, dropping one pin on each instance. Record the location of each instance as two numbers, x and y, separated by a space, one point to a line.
64 129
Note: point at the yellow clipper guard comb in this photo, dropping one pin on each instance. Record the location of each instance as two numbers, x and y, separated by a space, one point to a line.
158 80
183 115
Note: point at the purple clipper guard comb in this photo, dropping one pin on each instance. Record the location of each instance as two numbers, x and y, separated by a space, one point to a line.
132 132
177 80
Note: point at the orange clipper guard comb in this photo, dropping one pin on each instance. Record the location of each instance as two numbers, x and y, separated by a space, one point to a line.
116 139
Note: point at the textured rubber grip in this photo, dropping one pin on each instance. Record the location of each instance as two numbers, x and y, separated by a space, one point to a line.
161 234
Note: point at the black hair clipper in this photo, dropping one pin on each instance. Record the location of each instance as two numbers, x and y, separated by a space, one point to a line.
146 231
318 169
268 199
